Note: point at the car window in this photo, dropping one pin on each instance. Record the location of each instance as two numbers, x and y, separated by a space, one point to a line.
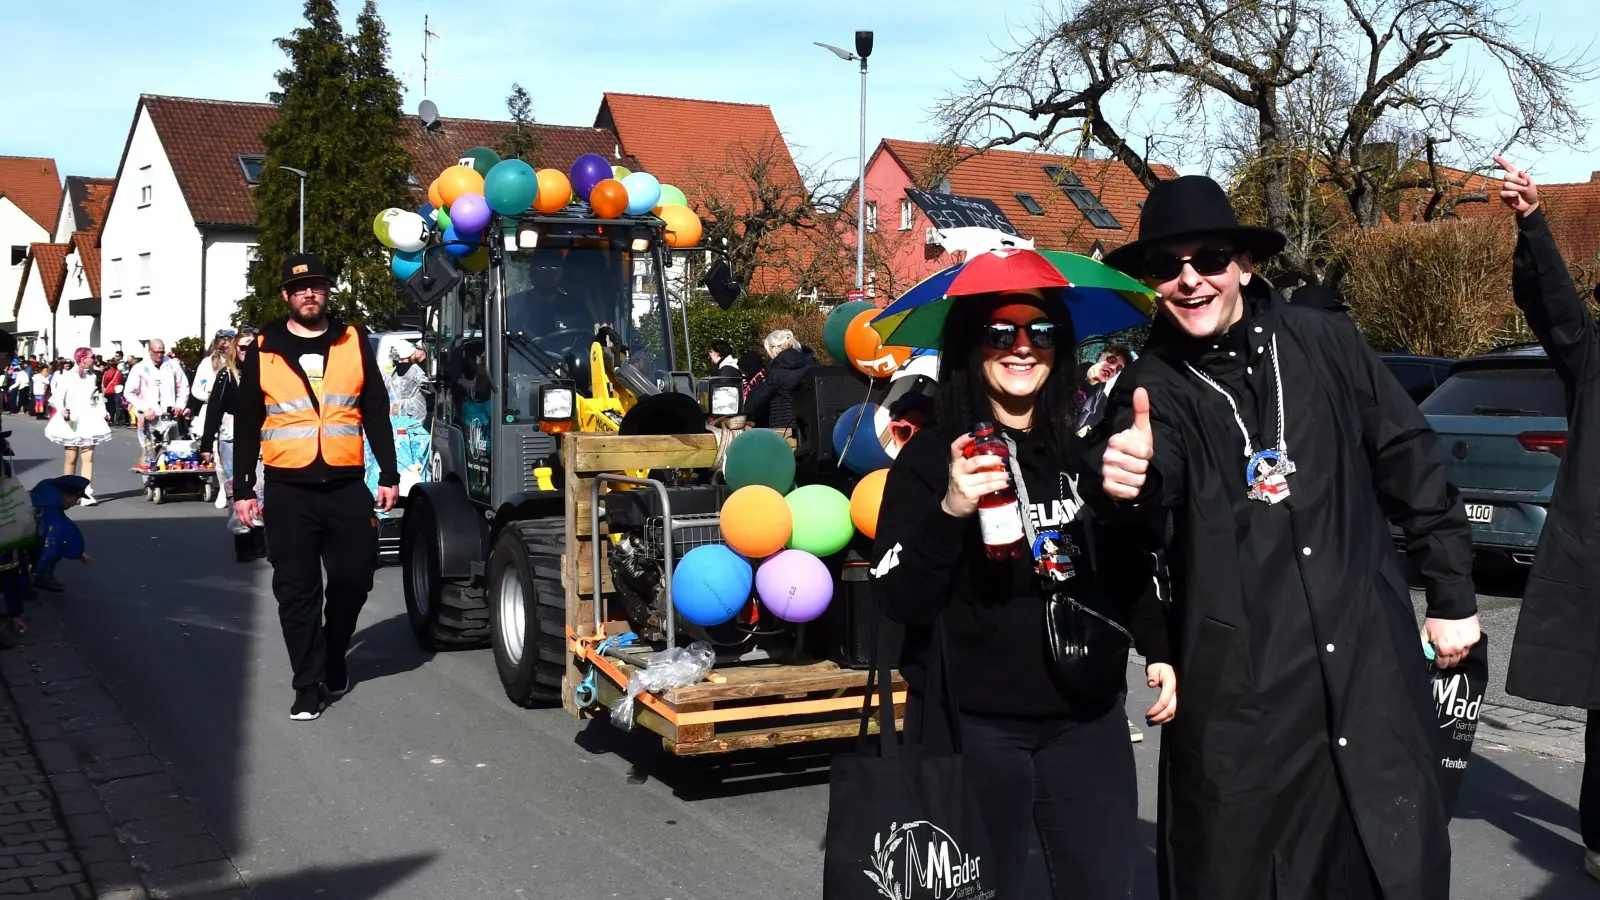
1415 378
1499 392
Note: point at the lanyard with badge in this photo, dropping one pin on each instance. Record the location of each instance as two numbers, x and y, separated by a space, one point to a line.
1266 471
1053 551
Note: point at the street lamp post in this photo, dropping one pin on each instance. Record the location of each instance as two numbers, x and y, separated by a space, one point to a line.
863 50
302 174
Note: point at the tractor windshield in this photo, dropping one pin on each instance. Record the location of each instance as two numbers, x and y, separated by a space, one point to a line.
556 297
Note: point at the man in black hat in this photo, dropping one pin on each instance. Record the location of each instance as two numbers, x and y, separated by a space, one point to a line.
1299 764
305 398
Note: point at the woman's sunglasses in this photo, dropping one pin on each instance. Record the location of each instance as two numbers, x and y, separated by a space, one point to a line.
1003 335
1166 267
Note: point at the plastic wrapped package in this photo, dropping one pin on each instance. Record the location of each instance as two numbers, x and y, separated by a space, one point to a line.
670 668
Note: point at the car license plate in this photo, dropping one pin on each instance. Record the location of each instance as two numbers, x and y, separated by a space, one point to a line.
1480 513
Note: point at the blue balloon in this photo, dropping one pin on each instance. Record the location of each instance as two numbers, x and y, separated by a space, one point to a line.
405 264
644 192
710 584
866 452
461 249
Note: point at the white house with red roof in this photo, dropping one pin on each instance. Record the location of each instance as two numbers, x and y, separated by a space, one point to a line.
29 189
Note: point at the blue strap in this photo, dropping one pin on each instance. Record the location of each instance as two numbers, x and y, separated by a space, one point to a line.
586 693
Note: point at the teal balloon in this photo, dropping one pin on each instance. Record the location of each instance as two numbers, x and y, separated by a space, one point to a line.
406 263
480 160
511 187
644 193
837 325
759 456
671 196
822 525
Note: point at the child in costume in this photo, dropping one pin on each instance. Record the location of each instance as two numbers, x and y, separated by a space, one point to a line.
59 537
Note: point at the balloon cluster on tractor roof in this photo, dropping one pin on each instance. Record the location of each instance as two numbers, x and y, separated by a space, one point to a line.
466 197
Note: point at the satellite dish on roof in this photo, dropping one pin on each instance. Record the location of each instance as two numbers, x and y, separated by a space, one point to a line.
428 112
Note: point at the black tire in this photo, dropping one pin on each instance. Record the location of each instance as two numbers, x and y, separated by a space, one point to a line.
527 607
443 615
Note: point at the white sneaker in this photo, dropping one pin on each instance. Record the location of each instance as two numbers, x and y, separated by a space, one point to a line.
88 497
1136 736
222 502
1591 864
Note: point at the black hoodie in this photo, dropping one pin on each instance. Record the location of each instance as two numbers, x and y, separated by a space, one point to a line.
769 405
249 411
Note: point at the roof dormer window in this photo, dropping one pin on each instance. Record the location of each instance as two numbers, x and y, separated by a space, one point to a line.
1030 205
1083 198
251 164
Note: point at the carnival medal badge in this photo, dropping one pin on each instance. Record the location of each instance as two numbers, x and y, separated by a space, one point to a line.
1267 475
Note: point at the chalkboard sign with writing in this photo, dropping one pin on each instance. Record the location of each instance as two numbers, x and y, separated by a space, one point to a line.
947 211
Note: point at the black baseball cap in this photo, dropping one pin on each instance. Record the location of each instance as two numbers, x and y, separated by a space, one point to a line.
303 267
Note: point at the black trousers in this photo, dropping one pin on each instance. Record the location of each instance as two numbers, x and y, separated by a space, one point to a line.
1589 793
1067 787
312 527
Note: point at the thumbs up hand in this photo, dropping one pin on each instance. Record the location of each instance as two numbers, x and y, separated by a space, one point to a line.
1127 458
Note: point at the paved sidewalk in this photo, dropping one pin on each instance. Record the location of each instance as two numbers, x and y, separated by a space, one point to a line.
132 833
1555 736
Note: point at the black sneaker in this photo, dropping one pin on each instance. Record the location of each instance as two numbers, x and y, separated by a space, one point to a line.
45 582
336 679
307 704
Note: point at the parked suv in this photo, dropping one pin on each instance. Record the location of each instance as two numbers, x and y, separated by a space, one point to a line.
1501 420
1419 375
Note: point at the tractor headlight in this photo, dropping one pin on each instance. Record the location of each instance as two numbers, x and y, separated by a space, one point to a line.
528 237
556 403
725 400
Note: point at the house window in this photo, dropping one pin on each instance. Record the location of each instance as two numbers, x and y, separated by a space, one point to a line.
19 254
146 192
943 187
250 164
1029 204
144 273
872 215
1083 198
905 215
114 278
411 180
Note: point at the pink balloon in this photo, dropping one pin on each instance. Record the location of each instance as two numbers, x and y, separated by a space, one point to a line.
795 586
470 213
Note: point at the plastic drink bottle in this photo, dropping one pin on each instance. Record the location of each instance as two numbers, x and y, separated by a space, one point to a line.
999 513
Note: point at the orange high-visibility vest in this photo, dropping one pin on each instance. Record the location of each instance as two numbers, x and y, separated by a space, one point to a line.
297 428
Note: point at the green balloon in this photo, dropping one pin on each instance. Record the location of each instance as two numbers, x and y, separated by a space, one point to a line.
444 222
759 456
620 172
835 326
480 160
671 196
380 227
822 525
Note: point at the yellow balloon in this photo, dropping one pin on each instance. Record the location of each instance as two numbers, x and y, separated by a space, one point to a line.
683 226
476 261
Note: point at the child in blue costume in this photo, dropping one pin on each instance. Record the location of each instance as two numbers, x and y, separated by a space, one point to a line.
59 537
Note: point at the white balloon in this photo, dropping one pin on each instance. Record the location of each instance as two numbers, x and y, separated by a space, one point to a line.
409 232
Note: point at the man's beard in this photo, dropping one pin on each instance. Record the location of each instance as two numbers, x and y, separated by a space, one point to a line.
308 319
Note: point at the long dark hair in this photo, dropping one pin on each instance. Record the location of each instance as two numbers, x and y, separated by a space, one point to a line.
964 395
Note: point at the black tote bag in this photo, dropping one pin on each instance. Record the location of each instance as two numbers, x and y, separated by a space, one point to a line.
902 822
1457 702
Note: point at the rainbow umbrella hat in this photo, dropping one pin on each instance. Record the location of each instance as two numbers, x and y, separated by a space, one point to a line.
1101 299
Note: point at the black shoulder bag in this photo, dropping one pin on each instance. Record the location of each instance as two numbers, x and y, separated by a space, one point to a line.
902 822
1088 649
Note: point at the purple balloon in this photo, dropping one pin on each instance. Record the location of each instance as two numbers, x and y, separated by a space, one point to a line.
470 213
794 586
587 171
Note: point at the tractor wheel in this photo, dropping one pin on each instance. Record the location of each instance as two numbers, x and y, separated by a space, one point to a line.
528 611
444 616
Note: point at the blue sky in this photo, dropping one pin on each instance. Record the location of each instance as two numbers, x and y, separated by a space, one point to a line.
90 61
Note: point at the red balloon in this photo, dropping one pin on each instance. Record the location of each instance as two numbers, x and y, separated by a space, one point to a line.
609 199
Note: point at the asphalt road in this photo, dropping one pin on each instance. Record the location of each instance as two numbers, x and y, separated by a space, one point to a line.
424 782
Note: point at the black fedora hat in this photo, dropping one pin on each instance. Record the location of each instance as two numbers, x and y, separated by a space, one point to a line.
1190 207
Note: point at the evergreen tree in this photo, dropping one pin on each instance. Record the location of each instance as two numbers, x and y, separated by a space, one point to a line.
339 120
521 142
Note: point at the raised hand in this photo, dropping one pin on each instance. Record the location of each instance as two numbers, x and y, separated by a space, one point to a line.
970 479
1127 458
1518 191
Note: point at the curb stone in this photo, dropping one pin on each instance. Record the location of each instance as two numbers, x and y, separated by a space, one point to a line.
133 832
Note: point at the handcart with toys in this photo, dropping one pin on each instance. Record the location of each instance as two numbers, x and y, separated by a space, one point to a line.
173 467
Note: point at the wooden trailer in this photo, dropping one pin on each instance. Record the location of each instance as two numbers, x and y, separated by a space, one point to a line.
736 708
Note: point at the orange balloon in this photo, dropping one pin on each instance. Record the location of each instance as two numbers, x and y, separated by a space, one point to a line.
756 521
458 180
865 501
683 226
554 191
434 198
609 199
864 346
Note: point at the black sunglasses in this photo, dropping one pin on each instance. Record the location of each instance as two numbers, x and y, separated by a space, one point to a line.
1166 267
1003 335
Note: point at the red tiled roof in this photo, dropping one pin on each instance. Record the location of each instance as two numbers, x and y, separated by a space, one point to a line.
698 145
999 175
51 261
32 183
1574 213
83 243
203 140
92 198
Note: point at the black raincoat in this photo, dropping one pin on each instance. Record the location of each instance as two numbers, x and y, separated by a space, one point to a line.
1555 657
1299 764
